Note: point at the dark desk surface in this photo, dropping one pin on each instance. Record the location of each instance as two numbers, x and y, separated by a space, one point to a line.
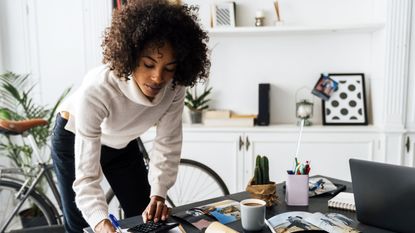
316 204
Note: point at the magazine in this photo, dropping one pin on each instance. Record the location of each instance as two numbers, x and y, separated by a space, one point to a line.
298 221
321 185
201 217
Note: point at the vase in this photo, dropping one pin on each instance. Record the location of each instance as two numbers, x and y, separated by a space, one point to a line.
196 117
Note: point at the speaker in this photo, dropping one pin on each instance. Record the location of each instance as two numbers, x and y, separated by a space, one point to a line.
263 104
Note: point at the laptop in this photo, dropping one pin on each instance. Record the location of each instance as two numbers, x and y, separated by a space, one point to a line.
384 195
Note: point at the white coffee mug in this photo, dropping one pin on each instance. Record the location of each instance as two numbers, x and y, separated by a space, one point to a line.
252 214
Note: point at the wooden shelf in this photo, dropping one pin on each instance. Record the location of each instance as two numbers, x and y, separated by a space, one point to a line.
271 30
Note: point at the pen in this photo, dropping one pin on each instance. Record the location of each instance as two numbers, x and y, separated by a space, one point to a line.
115 223
269 226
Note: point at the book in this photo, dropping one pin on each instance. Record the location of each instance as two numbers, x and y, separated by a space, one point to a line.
201 217
344 201
298 221
217 114
229 122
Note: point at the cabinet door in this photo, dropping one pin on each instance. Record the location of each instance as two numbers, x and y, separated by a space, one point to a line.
217 150
329 153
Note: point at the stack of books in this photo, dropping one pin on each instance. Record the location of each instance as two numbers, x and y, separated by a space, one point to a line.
227 118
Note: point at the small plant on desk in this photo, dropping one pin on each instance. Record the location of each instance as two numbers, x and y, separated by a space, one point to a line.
260 186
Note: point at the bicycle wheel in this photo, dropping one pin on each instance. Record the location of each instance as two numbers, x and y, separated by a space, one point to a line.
34 212
195 182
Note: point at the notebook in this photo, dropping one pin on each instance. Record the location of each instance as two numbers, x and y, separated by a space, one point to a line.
343 201
384 194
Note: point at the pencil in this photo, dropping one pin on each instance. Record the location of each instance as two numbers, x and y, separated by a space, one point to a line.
277 10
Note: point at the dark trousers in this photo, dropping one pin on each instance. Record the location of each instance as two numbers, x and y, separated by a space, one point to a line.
123 168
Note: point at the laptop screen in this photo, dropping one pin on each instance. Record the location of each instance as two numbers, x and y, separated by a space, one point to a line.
384 194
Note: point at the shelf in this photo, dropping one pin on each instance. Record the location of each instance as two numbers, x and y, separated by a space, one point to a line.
281 128
282 29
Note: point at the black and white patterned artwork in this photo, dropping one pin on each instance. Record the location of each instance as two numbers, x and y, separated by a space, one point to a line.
346 106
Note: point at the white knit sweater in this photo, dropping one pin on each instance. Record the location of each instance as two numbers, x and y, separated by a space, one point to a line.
108 111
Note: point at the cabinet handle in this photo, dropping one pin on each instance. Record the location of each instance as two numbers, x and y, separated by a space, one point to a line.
241 143
247 143
407 144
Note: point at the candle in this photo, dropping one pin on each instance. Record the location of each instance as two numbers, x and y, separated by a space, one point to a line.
260 14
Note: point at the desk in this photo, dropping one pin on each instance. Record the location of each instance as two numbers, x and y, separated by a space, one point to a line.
316 204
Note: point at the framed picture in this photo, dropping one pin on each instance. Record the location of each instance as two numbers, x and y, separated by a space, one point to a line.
223 14
347 105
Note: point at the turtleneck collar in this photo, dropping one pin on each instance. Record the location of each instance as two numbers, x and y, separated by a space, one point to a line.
130 89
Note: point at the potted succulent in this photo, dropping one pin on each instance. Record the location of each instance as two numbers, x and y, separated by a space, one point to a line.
17 103
197 102
260 186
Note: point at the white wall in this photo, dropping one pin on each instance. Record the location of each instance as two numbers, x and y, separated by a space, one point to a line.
63 40
290 61
55 41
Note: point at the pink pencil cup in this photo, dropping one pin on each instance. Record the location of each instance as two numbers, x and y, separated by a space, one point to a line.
296 190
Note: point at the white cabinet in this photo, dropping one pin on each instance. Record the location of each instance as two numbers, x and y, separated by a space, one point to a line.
231 152
328 152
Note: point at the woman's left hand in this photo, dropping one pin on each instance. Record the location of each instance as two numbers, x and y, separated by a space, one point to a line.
156 210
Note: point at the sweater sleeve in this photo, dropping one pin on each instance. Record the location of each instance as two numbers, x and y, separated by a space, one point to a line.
90 197
165 157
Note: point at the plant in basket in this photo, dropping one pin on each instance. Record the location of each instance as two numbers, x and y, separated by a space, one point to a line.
260 186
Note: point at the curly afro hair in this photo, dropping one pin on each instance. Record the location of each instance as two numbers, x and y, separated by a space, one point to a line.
143 22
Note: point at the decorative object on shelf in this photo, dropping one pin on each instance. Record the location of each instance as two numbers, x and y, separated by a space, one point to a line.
347 106
264 109
197 102
259 18
304 106
260 186
278 21
223 14
325 87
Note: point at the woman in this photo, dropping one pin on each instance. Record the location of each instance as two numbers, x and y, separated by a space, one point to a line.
151 52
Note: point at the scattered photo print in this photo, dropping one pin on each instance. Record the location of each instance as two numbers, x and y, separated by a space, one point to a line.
325 87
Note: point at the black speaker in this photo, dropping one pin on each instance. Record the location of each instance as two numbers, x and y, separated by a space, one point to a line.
263 104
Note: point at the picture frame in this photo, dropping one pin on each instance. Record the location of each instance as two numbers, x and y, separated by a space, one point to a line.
346 106
223 14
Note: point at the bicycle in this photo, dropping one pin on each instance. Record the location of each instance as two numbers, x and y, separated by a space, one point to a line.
195 181
17 193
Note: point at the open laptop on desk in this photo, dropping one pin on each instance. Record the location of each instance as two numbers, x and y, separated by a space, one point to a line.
384 194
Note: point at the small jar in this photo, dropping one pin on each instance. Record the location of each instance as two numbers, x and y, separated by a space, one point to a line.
259 18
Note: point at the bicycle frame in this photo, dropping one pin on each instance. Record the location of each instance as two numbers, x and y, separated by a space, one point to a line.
29 185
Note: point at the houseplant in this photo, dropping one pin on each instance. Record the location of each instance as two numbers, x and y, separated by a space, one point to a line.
197 102
260 186
17 103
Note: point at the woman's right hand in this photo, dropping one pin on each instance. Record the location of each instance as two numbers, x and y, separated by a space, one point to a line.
104 226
